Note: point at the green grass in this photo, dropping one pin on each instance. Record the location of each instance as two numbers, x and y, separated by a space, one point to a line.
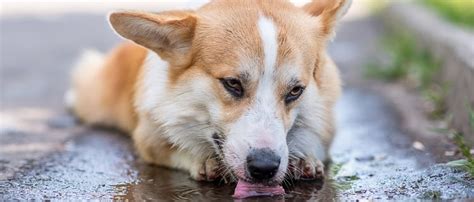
340 184
471 117
457 11
334 168
376 6
407 62
413 65
436 95
466 164
431 195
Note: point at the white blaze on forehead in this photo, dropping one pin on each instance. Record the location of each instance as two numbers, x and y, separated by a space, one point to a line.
266 127
268 35
261 124
265 98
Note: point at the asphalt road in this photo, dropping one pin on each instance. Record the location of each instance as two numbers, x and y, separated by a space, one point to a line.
45 154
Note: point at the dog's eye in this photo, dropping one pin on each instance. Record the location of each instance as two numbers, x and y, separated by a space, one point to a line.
233 86
294 94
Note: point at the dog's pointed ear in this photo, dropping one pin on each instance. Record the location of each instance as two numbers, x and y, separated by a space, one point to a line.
329 11
169 34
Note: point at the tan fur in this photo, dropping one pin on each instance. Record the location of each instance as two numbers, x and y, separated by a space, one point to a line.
196 45
327 76
105 91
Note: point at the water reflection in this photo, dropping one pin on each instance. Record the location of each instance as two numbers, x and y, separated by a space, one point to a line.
156 183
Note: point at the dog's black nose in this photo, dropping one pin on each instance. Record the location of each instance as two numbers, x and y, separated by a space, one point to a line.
262 164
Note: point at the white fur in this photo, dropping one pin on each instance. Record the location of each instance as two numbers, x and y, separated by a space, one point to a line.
304 143
304 139
268 35
154 84
86 66
70 98
264 111
180 121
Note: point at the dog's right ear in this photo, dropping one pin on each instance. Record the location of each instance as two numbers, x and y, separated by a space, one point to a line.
169 34
329 12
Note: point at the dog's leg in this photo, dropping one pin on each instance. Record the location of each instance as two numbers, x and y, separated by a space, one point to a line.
307 153
155 149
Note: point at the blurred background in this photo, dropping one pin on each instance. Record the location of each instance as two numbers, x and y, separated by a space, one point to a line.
407 112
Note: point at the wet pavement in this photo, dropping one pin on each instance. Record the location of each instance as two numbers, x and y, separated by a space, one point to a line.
45 154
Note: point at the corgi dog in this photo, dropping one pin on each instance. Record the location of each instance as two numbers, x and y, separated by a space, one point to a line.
237 89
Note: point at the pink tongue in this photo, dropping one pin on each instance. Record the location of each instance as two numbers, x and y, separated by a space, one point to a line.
245 190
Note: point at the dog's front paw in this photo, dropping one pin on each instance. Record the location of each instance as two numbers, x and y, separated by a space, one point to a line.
308 168
206 171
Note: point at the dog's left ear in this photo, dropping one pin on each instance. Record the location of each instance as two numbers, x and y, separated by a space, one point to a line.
170 34
329 12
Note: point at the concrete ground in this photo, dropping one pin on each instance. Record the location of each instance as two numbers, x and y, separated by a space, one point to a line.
45 154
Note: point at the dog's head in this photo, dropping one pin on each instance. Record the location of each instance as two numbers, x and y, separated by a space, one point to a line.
236 74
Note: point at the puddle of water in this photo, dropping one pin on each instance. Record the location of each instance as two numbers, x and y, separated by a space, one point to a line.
169 185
